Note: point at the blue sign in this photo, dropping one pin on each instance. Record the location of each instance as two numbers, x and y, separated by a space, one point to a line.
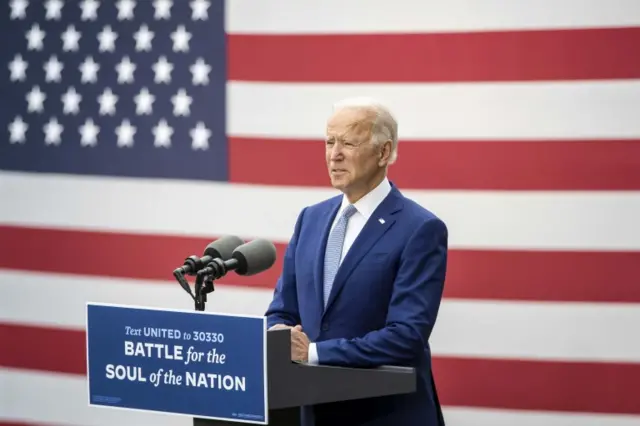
190 363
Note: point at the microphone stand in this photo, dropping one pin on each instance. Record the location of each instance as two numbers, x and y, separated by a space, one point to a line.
217 268
203 286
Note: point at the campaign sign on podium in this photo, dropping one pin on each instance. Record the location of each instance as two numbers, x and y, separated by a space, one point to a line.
191 363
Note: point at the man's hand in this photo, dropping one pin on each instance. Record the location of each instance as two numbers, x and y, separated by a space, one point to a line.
280 327
299 344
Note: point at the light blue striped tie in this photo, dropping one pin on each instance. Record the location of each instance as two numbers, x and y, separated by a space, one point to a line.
333 252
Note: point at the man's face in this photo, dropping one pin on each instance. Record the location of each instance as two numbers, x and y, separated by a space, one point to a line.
352 159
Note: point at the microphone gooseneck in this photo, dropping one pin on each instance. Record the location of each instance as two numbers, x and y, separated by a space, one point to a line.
226 254
247 259
219 249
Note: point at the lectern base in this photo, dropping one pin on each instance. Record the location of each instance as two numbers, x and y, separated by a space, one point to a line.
281 417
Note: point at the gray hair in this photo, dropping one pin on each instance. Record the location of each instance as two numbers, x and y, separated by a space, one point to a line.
385 126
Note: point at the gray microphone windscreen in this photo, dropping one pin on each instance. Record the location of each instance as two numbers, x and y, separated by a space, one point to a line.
255 256
223 247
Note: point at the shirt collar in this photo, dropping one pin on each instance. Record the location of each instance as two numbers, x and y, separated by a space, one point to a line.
370 202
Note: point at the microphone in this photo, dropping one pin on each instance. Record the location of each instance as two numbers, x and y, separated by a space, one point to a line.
220 249
248 259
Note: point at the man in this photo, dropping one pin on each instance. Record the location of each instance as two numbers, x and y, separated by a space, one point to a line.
363 273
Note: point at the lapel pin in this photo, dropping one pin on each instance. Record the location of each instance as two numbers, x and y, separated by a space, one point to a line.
381 220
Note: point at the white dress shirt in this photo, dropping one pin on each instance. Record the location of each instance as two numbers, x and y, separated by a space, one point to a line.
365 207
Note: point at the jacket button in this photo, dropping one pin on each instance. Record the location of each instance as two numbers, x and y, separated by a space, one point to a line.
325 327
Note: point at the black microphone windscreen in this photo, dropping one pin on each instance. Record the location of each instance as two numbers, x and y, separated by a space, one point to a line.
223 247
254 257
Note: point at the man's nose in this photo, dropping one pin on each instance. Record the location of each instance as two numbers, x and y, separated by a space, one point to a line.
336 151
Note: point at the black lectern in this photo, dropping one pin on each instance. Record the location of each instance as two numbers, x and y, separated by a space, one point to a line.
292 385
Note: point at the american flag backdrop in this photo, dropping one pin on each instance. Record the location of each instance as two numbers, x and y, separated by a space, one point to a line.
136 132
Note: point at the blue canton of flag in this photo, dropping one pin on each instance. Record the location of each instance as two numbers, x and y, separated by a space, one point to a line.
114 87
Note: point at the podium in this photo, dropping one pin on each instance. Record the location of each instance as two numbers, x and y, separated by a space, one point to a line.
215 369
292 385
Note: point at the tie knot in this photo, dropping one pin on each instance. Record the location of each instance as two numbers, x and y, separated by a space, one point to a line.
349 211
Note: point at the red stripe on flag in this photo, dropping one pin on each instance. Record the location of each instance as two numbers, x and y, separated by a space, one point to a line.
537 385
481 165
43 348
12 423
438 57
482 274
544 275
111 254
500 383
16 423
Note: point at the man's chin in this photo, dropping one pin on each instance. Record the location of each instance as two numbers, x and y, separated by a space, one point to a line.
338 182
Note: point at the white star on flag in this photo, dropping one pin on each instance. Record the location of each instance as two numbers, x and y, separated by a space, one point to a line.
200 136
89 70
89 133
35 100
125 9
17 130
18 68
143 38
200 72
89 10
125 132
144 102
181 39
181 103
199 10
71 100
162 9
107 39
53 69
70 39
107 101
162 133
54 9
125 70
18 9
35 37
52 131
162 69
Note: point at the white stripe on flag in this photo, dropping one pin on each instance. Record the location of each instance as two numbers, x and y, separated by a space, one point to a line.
559 110
483 329
477 219
62 399
411 16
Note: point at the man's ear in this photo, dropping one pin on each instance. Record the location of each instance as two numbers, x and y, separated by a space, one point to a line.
385 153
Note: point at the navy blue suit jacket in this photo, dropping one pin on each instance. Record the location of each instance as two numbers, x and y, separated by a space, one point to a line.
382 308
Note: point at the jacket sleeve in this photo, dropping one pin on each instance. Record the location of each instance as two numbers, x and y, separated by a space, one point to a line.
283 308
413 308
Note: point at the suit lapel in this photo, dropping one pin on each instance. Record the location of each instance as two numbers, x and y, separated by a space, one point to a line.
370 234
